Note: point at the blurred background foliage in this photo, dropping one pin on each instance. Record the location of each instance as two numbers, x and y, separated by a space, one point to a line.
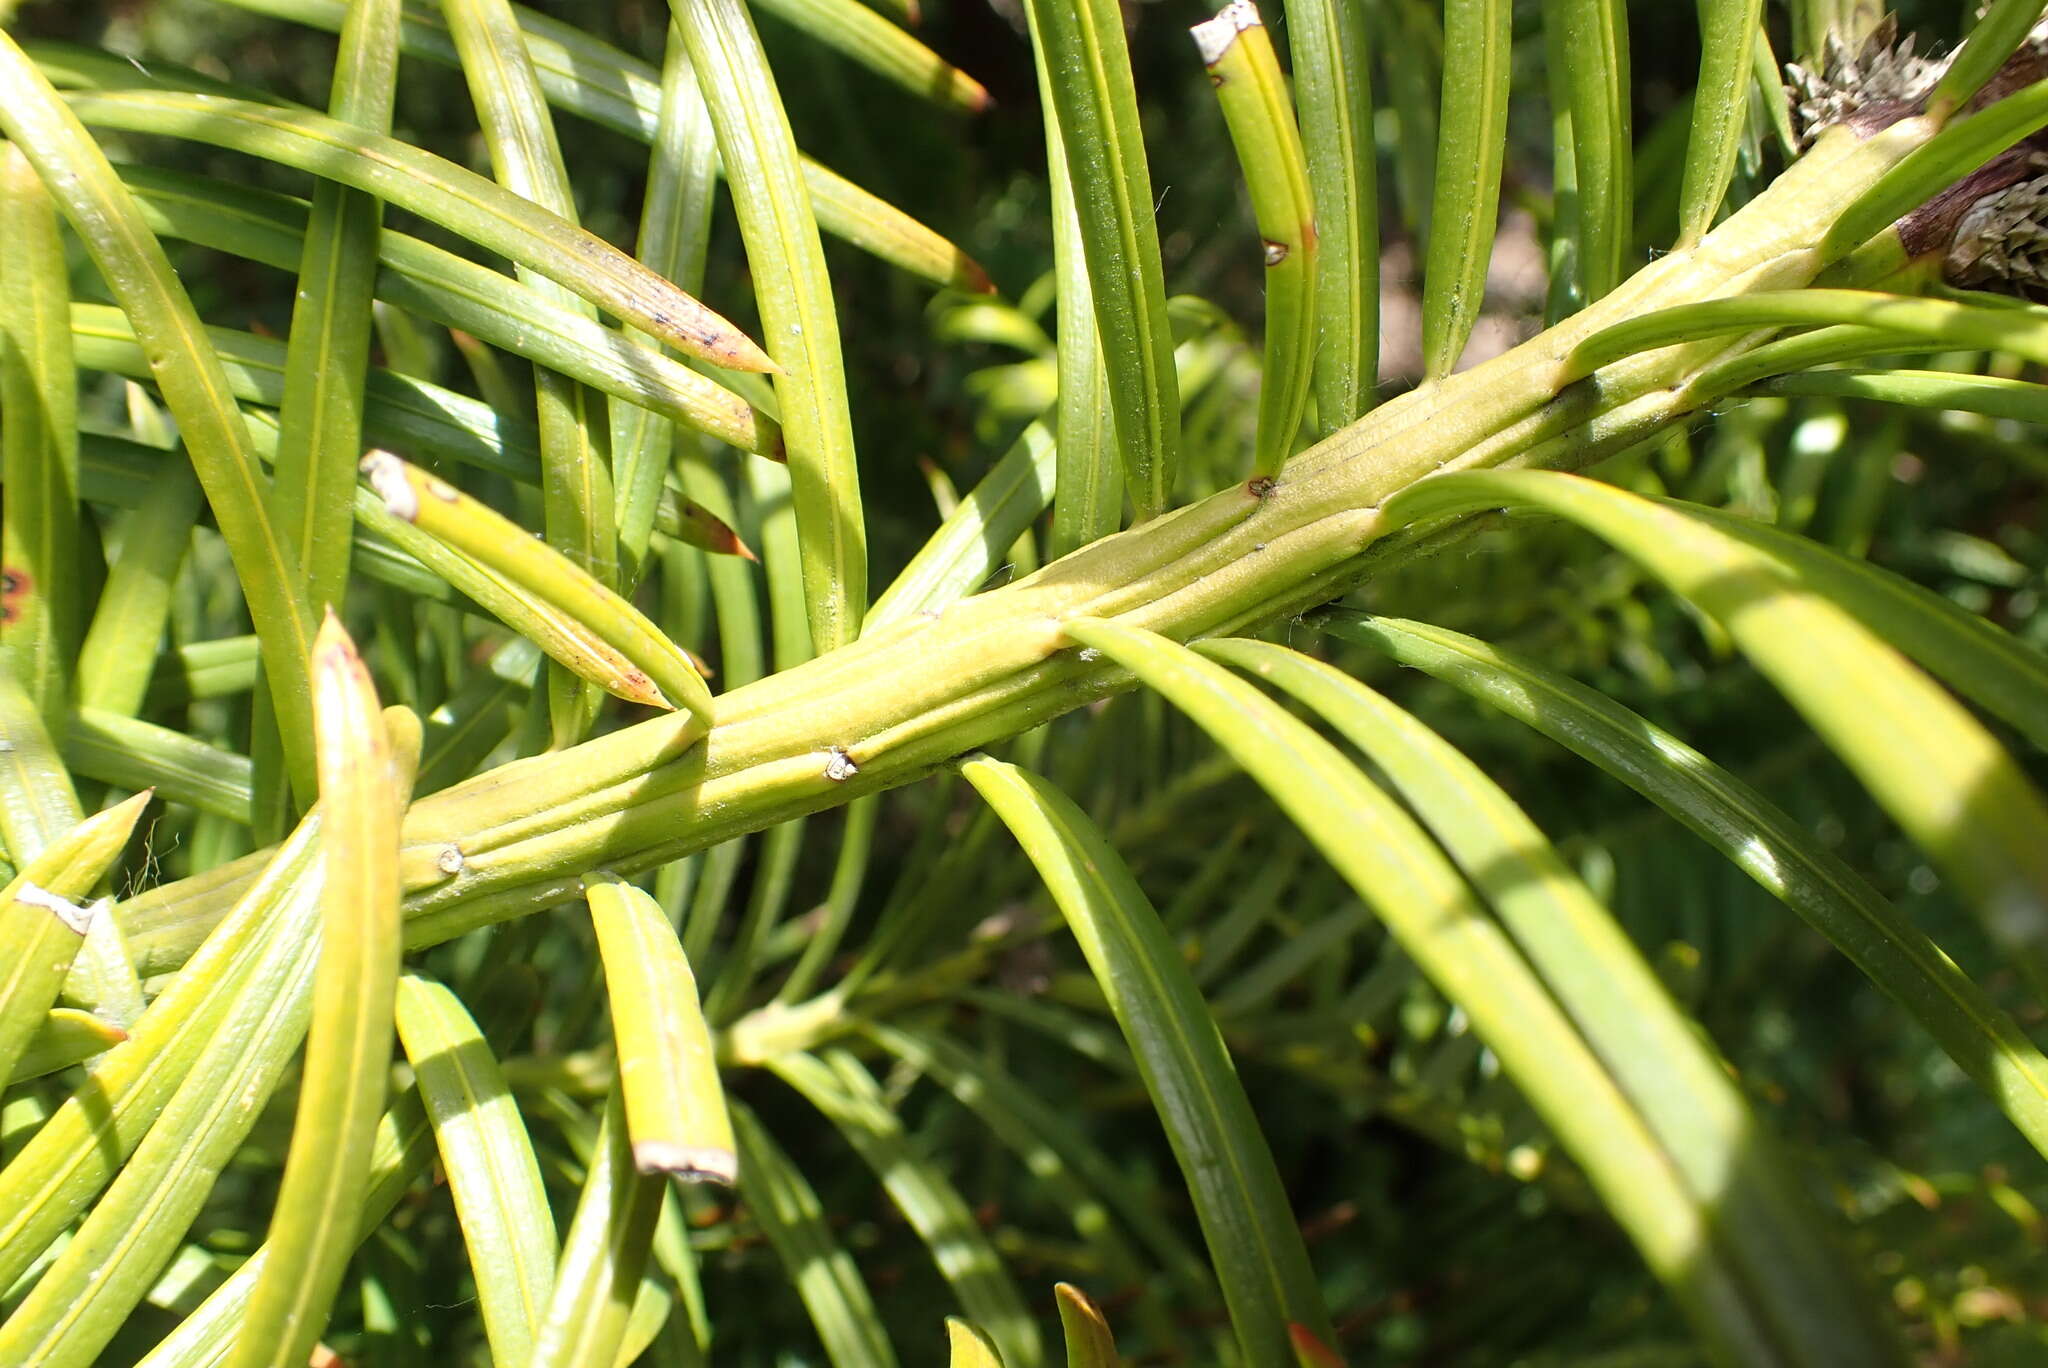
1443 1228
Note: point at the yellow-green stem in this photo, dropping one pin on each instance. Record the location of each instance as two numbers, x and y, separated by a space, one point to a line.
897 704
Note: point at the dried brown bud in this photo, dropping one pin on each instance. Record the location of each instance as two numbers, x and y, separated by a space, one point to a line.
1868 86
1991 227
1872 84
2001 240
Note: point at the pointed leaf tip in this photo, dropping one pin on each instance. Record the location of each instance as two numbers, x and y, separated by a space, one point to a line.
1089 1342
561 607
333 640
970 276
968 1347
1309 1351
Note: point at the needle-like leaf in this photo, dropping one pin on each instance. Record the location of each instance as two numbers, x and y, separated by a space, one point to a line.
1990 668
186 370
403 1153
490 1164
108 1268
884 49
588 77
1470 146
130 753
1995 396
840 1087
93 1132
825 1277
348 1041
461 201
1333 90
1587 42
1932 766
1096 106
439 285
967 1347
2001 27
1762 839
41 598
1088 491
1682 1090
659 672
1023 1119
321 419
1089 1343
590 1315
1253 1242
578 503
2021 331
1427 904
42 924
120 647
675 238
1729 30
64 1037
675 1113
1253 94
973 539
797 312
38 802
